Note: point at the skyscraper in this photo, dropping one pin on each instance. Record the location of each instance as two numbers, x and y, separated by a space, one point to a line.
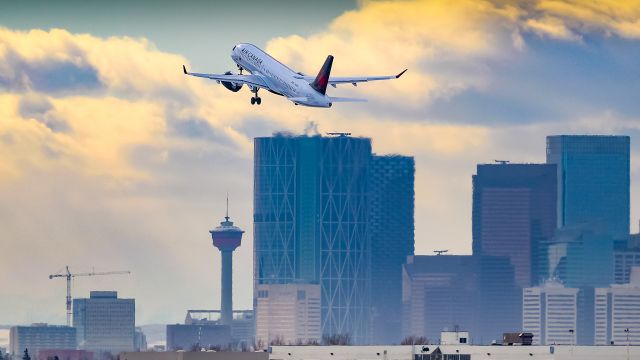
310 223
391 227
514 211
104 323
593 180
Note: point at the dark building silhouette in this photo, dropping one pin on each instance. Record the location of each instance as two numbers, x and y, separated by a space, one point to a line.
310 223
514 211
471 293
391 227
187 337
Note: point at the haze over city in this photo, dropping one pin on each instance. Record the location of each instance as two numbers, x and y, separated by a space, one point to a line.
112 159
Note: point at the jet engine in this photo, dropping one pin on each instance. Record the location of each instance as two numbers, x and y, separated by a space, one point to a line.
231 86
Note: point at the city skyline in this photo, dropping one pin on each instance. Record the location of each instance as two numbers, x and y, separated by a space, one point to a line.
113 161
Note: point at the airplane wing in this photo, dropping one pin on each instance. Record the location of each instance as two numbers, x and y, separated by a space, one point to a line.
333 81
253 80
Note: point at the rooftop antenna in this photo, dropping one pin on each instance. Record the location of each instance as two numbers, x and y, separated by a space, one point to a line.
227 213
440 252
502 162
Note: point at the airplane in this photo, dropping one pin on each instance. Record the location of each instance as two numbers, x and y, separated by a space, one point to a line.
270 74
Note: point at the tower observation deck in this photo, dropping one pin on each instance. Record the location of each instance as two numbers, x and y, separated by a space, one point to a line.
226 237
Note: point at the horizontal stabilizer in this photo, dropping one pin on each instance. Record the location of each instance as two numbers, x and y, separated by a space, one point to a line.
345 99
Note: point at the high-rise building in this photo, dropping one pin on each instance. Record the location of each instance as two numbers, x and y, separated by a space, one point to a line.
577 256
288 313
514 211
473 293
104 323
391 227
617 313
40 337
310 223
593 181
550 313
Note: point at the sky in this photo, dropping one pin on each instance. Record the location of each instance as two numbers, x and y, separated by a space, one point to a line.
112 159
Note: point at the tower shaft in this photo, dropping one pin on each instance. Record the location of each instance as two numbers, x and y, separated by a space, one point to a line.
226 301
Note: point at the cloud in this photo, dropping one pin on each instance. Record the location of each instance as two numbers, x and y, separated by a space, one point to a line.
112 154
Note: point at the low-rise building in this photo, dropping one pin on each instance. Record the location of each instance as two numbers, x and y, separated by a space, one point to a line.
40 336
617 313
189 337
550 312
288 313
64 354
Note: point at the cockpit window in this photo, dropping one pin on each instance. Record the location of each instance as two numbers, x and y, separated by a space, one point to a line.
233 48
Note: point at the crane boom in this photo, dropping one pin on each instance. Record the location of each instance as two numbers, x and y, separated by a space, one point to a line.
68 275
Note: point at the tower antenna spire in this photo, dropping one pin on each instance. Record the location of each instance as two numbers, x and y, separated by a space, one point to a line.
227 213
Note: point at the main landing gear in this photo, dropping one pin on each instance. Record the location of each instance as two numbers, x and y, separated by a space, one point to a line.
255 99
240 68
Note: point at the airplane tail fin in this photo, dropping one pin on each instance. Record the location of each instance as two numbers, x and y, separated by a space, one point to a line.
322 80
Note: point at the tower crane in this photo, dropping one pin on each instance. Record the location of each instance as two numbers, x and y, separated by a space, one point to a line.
70 275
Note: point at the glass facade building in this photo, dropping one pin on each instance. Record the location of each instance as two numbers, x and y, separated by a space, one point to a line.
514 212
391 228
310 223
593 181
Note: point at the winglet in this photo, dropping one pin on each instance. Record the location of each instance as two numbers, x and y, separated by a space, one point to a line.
403 71
184 69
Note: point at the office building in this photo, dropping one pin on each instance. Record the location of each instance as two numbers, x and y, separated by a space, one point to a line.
576 255
473 293
626 255
593 180
39 337
197 336
104 323
514 212
617 313
310 223
391 227
550 313
288 313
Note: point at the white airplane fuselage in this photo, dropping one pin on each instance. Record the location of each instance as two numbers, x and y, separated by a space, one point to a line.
280 78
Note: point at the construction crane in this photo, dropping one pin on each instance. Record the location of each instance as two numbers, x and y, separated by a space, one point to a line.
69 276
